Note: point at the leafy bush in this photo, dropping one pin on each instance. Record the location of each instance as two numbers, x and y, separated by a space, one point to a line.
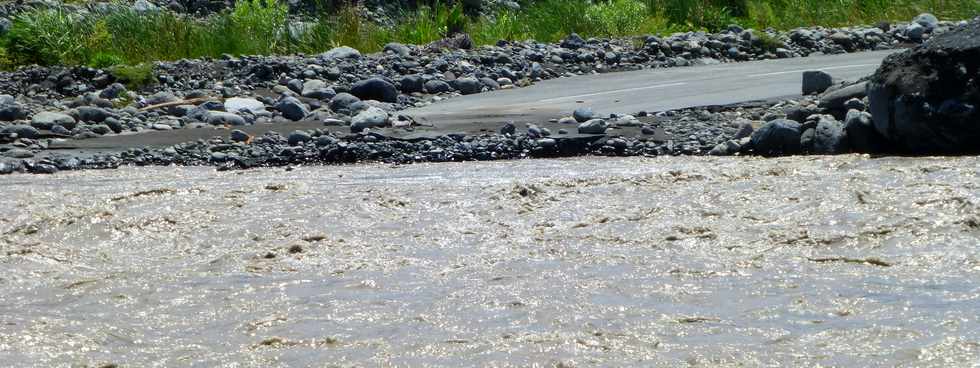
134 76
103 60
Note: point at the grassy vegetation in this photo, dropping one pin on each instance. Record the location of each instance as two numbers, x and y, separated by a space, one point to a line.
53 36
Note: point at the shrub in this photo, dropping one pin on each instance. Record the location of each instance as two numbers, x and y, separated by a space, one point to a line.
103 60
134 76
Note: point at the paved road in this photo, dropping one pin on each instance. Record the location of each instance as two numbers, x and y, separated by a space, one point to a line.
646 90
626 92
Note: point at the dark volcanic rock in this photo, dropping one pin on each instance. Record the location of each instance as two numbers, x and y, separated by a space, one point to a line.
292 109
375 89
468 86
437 86
861 134
835 100
342 102
11 112
826 138
816 82
779 136
925 100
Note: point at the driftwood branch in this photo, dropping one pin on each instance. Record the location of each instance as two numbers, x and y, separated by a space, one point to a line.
193 101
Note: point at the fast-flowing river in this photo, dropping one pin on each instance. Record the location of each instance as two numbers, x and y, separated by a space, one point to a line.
802 261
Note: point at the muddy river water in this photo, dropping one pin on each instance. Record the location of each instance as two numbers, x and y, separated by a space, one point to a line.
807 261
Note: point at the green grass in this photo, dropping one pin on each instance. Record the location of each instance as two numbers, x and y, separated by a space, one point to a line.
125 37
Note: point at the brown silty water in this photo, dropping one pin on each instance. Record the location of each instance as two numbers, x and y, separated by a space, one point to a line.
800 261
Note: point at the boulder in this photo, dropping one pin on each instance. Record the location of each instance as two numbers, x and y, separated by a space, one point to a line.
583 114
924 100
437 86
298 137
816 82
292 109
225 118
112 91
780 136
342 102
594 126
239 104
411 84
317 89
398 49
47 120
861 134
468 85
835 100
573 41
927 21
239 136
92 114
826 138
22 131
375 89
342 52
12 111
372 117
160 97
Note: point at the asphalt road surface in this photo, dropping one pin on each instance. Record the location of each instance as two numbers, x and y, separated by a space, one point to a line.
646 90
626 92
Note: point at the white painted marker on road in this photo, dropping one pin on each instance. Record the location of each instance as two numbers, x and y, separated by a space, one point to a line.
614 92
806 70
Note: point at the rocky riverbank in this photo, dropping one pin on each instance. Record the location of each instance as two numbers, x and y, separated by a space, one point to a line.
356 99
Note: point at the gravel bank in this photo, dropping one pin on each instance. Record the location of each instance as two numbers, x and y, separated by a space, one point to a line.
350 94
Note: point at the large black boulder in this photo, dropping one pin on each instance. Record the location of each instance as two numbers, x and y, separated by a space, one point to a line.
375 89
925 100
780 136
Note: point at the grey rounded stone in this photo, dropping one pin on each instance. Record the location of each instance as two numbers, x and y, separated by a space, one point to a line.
468 85
92 114
292 109
47 120
298 137
372 117
926 20
317 89
594 126
113 91
437 86
342 52
398 49
22 131
12 111
583 114
342 102
225 118
239 104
